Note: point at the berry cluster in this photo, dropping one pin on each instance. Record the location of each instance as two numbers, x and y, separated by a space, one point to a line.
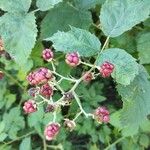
45 82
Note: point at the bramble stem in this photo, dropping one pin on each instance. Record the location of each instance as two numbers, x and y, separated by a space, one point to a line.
77 115
107 39
113 144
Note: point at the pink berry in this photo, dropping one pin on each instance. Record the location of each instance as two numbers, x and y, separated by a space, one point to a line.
87 76
69 124
46 90
51 131
72 59
39 76
30 106
47 55
1 75
106 69
102 115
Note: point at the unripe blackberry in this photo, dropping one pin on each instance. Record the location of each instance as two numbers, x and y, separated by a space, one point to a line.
46 90
1 75
47 55
72 59
69 124
30 106
51 131
106 69
39 76
102 115
87 76
33 91
50 108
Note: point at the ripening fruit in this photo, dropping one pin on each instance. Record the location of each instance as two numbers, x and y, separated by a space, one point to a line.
72 59
47 55
46 90
51 131
87 76
39 76
106 69
101 114
30 106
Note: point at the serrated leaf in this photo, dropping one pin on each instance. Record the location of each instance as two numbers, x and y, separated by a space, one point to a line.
15 5
135 101
25 144
87 4
2 136
144 140
126 67
19 35
13 124
2 126
82 41
143 47
118 16
46 4
55 21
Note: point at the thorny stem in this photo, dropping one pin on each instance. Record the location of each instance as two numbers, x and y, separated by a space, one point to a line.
44 144
87 64
18 138
79 104
77 115
113 144
56 147
12 79
65 78
105 44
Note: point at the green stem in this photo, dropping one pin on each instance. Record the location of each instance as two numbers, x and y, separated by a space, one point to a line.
113 144
105 44
12 79
17 139
44 144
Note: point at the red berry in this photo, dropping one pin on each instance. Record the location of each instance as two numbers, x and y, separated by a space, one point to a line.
70 124
47 55
51 131
72 59
87 76
106 69
102 115
30 106
1 75
39 76
46 90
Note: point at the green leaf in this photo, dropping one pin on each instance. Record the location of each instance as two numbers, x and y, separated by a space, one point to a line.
143 47
15 5
135 101
144 140
13 124
126 67
55 21
118 16
2 136
46 4
82 41
25 144
87 4
2 126
19 35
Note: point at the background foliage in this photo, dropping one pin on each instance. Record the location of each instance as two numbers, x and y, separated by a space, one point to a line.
27 27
